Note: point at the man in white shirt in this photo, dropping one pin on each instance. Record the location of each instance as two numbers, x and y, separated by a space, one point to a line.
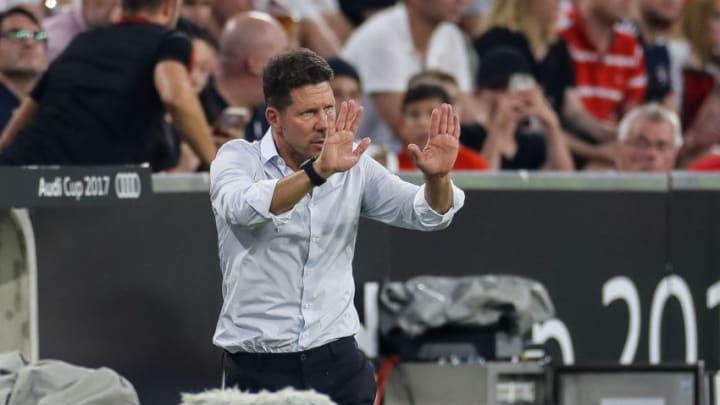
400 41
287 209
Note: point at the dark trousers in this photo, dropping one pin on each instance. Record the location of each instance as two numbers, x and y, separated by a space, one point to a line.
338 369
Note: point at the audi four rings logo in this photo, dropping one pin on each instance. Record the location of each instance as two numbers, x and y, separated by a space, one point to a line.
128 185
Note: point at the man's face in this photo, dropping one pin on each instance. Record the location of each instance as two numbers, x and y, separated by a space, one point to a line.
437 11
300 129
345 88
612 11
661 14
97 13
416 121
649 147
21 50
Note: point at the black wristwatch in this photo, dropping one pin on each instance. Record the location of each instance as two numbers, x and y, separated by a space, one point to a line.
315 178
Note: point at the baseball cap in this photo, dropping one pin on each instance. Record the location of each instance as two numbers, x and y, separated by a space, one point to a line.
498 64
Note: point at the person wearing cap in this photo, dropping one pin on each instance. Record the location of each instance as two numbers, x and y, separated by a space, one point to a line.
103 100
519 128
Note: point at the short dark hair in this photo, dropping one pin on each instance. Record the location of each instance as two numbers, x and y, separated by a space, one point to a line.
291 70
341 67
425 92
195 31
134 6
19 10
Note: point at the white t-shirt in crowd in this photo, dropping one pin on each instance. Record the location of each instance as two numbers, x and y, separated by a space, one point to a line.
383 53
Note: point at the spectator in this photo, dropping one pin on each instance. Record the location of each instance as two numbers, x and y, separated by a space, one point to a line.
313 29
102 101
701 77
345 82
223 10
609 72
246 45
654 19
399 42
530 28
649 138
23 58
518 129
199 12
205 50
346 86
417 107
205 53
62 28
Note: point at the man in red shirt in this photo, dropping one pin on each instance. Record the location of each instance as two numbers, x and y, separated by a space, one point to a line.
608 62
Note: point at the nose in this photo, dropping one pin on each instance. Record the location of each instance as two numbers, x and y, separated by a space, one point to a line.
321 123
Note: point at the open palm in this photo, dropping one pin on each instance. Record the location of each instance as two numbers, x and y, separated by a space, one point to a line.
337 154
438 155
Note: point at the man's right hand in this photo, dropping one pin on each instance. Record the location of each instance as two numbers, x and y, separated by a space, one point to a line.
337 154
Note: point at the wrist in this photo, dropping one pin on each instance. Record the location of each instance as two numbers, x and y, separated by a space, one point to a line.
309 168
321 170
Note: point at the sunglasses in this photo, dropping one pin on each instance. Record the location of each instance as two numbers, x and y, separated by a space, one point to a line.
19 35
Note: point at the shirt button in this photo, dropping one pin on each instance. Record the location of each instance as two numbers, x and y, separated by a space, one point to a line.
306 306
316 239
312 205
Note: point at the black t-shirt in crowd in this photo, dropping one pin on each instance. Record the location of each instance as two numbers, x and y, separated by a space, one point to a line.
554 73
8 103
97 102
531 147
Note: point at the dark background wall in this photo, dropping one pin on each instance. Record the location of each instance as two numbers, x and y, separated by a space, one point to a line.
135 286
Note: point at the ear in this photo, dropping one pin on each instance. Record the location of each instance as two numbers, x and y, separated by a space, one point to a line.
272 115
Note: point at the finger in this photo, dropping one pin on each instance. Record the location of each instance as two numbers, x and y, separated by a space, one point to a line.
415 153
450 123
330 124
362 147
356 122
342 116
434 122
456 125
351 114
442 129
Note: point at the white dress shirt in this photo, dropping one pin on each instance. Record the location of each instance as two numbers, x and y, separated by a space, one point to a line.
287 279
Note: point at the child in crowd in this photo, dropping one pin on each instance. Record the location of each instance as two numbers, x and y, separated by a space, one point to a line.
417 106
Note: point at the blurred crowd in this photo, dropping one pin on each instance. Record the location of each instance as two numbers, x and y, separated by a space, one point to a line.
559 85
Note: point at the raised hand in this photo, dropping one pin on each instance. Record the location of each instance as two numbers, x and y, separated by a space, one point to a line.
337 154
438 155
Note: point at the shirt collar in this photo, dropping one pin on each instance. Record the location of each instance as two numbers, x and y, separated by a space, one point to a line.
268 150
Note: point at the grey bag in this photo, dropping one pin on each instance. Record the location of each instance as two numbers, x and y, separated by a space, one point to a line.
428 302
53 382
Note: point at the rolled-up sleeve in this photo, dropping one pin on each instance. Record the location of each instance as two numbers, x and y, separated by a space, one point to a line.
239 192
431 219
393 201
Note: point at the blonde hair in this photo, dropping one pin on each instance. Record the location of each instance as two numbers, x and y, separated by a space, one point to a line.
517 15
695 28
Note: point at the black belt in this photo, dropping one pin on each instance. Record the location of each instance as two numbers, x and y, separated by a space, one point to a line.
294 360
